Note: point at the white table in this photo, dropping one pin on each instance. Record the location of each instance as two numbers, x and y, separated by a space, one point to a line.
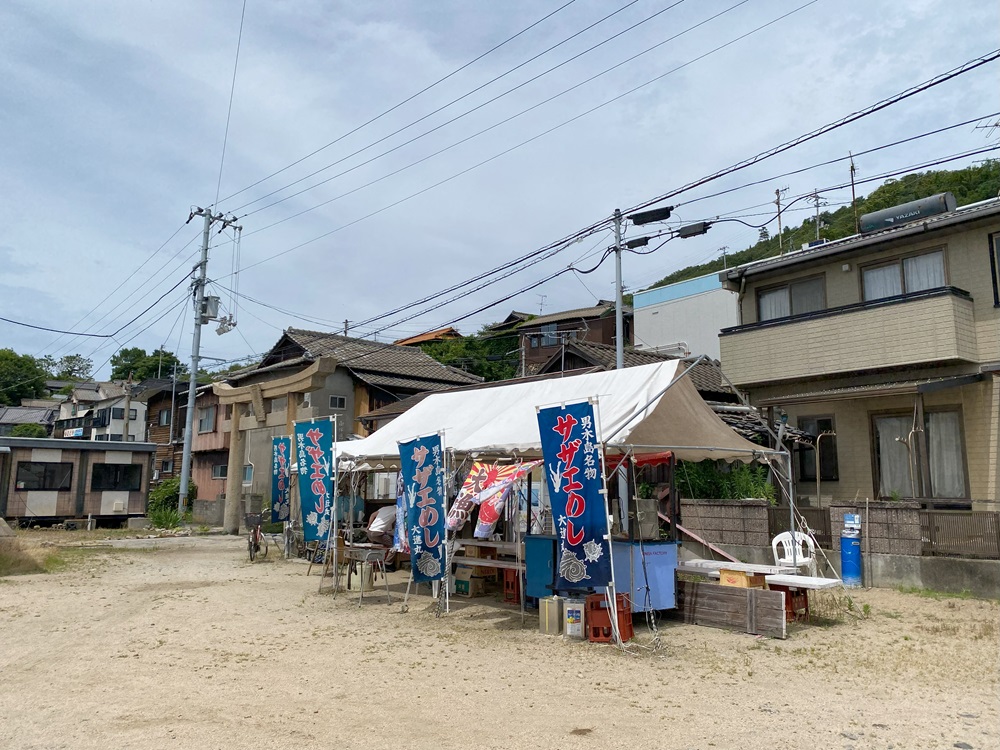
752 568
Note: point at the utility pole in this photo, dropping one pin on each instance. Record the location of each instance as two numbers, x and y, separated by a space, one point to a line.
128 406
200 318
619 323
725 263
346 322
777 202
854 199
816 203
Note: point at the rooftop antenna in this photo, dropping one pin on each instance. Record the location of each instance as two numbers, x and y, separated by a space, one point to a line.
854 200
541 302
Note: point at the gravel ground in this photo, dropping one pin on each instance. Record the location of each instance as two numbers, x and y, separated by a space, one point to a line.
183 643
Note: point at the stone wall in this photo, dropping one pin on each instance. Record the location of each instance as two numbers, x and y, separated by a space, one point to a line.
740 522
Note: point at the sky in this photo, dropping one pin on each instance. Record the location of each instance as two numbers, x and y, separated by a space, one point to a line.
380 153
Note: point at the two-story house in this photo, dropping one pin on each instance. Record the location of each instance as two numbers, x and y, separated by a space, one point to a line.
542 336
890 340
97 411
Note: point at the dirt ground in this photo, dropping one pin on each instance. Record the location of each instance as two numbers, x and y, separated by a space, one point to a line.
183 643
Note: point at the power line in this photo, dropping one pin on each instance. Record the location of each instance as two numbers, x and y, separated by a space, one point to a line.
229 112
457 117
853 117
408 99
472 136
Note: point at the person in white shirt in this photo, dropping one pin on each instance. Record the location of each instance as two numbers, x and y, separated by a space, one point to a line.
381 526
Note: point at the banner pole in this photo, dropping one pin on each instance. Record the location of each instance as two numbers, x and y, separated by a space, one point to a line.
612 589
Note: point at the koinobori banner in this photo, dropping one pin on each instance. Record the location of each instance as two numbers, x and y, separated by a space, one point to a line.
487 485
422 467
314 450
281 449
575 478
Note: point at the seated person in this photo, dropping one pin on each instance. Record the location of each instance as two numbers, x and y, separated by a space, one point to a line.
381 526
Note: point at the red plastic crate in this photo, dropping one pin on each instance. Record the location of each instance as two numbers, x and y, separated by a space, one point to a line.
511 589
598 618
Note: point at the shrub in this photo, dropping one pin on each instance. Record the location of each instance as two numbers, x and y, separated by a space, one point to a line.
165 518
164 496
29 431
705 480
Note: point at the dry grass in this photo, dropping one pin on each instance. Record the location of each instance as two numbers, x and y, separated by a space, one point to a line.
16 559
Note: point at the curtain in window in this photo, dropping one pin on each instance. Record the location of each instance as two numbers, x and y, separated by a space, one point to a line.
944 446
881 282
774 304
924 272
893 456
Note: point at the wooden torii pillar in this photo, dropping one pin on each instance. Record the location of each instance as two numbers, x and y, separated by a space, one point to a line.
291 387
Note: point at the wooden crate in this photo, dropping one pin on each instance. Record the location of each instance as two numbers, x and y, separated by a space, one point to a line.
741 579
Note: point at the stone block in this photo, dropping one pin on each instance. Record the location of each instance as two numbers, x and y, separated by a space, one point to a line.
138 522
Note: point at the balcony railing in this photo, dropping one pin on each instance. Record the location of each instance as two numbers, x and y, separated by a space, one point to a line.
935 325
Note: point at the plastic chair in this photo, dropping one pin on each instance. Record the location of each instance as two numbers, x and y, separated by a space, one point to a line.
805 552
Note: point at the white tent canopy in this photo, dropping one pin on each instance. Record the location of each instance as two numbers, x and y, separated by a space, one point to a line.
640 408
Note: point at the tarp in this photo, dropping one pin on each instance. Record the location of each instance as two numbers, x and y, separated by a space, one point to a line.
634 408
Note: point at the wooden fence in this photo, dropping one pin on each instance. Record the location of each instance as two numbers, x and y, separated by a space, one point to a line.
960 533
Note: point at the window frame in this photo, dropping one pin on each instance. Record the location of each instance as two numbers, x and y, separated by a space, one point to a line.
48 474
787 286
937 409
898 261
826 445
220 471
118 472
203 413
167 466
548 334
247 482
342 399
161 420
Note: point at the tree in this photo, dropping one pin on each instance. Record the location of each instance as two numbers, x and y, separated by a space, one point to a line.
491 357
71 367
142 366
21 376
29 430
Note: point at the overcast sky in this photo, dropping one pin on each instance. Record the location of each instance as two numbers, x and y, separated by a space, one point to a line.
113 114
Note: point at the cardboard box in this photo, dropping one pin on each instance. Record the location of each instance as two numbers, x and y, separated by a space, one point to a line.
470 588
740 579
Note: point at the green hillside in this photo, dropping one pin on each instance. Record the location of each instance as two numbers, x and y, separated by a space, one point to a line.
969 185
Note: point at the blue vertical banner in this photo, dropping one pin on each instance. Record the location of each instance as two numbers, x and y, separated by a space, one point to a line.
422 468
314 450
281 478
574 471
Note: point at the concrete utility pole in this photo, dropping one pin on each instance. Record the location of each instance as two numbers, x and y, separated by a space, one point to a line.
777 202
619 322
200 318
128 406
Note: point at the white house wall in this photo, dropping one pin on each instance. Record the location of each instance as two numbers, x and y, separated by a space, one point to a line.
694 319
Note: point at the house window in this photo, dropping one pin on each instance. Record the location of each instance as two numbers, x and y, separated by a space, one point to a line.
167 466
915 273
828 471
41 475
101 437
116 477
220 471
164 417
118 413
338 402
115 437
794 298
946 457
549 337
248 474
206 419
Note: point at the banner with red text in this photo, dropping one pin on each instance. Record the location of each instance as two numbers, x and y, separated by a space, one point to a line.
575 476
422 466
281 480
314 450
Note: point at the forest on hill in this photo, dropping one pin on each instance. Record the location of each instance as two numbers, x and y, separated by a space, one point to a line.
975 183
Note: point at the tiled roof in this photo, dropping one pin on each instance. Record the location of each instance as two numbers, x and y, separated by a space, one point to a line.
597 311
367 359
26 415
439 335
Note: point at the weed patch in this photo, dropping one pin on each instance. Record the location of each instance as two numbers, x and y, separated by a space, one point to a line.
16 560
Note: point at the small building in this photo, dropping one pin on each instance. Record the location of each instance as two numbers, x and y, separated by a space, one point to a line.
686 317
12 416
542 336
430 337
96 411
51 479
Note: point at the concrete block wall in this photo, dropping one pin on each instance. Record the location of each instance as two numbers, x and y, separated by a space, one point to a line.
893 528
739 522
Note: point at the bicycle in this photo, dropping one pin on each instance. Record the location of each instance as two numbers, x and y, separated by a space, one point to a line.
256 541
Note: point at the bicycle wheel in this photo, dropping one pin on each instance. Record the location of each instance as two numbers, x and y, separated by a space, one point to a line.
250 545
263 546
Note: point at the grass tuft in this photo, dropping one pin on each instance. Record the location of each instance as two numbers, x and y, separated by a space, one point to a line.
15 560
